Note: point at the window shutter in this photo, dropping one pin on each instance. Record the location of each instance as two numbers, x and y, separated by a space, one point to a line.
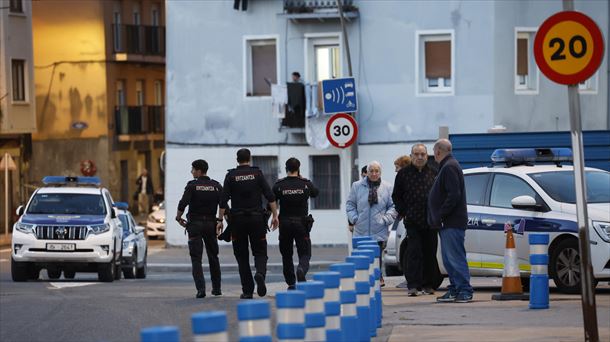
438 59
522 57
263 66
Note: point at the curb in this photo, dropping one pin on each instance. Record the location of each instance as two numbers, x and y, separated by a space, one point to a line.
273 267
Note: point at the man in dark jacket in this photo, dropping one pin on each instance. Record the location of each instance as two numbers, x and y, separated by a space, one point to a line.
447 211
410 196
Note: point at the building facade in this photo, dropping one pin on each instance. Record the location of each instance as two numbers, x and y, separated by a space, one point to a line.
100 75
418 65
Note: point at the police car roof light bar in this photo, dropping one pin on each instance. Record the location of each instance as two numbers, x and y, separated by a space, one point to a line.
529 156
65 180
121 205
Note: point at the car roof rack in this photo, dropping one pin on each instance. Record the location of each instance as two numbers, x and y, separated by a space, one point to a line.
530 156
71 181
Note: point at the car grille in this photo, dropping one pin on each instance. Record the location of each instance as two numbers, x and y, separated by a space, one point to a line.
61 232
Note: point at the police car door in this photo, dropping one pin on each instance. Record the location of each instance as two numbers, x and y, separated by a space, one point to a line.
476 188
505 187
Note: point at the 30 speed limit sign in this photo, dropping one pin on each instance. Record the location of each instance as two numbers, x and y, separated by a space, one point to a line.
341 130
569 47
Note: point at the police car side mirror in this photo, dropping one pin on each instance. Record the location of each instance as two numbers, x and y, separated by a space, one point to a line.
113 213
525 203
139 229
20 210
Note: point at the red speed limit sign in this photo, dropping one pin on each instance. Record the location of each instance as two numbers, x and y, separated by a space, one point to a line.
341 130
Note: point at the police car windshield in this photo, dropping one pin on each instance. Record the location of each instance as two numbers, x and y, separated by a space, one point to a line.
125 223
81 204
560 185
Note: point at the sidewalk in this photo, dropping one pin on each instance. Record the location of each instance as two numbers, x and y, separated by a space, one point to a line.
176 259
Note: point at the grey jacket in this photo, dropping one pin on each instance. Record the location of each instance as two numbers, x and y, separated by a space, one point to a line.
371 220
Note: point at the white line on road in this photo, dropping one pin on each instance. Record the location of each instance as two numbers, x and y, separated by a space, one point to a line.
3 260
66 285
5 250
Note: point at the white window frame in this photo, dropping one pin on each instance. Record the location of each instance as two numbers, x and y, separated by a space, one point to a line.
247 64
532 85
324 38
421 86
26 83
589 86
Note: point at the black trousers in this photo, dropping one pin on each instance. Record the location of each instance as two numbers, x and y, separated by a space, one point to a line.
294 232
252 230
422 266
200 232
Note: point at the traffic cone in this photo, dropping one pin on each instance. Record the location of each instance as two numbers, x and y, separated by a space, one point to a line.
511 277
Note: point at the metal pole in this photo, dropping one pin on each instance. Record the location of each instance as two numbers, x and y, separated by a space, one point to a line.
354 148
6 156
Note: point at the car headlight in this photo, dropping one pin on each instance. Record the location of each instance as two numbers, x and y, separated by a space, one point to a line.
24 228
100 228
602 229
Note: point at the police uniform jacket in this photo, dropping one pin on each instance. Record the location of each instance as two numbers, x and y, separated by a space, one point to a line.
202 195
293 194
244 186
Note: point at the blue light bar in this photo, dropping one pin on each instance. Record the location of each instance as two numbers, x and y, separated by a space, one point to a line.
63 180
515 156
121 205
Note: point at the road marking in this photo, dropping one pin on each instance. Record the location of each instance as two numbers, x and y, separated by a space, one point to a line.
3 260
5 250
67 285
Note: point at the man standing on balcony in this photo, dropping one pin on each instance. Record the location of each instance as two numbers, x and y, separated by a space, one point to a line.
144 192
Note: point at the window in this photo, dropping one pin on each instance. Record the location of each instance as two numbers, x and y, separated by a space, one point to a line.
267 164
116 30
139 93
155 15
16 6
588 86
158 93
435 62
506 187
526 72
327 62
18 74
560 185
476 185
261 66
120 93
136 14
326 176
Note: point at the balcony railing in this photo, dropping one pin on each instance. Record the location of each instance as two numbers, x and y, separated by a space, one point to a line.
311 6
138 39
140 120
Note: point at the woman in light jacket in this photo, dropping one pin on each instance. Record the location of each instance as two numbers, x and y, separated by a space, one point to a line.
370 209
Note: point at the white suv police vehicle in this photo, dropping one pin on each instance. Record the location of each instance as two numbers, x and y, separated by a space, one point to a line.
69 225
533 198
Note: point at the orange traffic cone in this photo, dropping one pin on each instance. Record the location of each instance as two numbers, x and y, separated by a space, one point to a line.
511 277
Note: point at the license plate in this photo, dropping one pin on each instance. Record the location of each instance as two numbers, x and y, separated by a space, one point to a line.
61 246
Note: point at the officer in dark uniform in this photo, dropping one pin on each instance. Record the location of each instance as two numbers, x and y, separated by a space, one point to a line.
245 186
293 193
202 195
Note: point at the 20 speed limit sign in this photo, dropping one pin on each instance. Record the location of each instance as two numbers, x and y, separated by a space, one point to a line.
341 130
569 47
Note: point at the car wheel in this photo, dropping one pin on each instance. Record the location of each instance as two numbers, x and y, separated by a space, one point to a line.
106 271
141 271
564 266
19 270
130 272
33 272
69 274
53 272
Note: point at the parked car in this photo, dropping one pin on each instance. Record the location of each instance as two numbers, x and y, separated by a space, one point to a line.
68 226
155 223
533 199
390 259
135 248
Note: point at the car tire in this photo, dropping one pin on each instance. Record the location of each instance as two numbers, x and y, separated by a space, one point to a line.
391 271
69 274
53 272
105 272
564 266
130 272
141 271
19 271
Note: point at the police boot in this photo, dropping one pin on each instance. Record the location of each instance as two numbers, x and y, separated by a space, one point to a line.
200 294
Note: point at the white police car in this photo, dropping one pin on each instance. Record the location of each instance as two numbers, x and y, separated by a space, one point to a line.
69 225
535 198
135 247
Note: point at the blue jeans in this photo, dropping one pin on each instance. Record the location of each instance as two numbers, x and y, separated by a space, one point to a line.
454 259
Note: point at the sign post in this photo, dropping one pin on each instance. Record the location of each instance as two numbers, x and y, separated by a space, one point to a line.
7 163
569 48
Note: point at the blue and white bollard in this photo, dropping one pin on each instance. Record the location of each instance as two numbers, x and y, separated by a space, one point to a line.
332 304
210 326
539 278
373 300
254 318
315 319
160 334
347 295
366 321
290 315
355 240
374 247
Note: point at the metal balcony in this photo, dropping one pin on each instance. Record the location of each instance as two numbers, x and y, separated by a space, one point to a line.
138 40
139 120
318 9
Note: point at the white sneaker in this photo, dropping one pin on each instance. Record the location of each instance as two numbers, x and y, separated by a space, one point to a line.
413 293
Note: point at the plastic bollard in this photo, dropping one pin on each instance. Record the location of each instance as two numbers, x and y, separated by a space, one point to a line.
210 326
355 240
539 278
315 319
374 247
347 272
367 320
254 318
378 298
290 315
373 299
349 320
160 334
332 304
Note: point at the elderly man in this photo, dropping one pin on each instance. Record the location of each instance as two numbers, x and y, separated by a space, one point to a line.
370 209
447 211
411 188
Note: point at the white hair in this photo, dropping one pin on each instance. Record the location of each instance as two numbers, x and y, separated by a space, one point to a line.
372 164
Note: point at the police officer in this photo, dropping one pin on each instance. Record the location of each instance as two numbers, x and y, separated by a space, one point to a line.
202 195
245 186
292 193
